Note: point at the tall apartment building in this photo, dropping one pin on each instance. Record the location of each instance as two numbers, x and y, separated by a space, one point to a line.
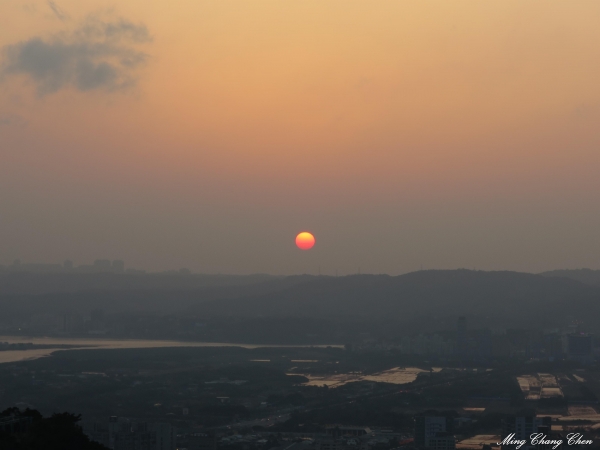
523 427
433 430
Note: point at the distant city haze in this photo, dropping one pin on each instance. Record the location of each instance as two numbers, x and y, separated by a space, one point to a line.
207 135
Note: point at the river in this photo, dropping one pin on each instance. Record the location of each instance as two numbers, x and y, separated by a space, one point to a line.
90 343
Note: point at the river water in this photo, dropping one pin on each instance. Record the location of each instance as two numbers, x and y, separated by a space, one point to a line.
89 343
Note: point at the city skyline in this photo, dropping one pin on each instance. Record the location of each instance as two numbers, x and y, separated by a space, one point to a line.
118 265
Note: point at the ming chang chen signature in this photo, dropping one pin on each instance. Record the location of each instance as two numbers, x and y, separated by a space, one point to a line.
542 439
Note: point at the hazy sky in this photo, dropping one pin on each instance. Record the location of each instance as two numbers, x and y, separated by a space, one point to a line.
207 134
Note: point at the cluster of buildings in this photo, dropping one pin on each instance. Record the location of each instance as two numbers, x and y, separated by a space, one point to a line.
99 266
124 434
485 345
434 432
335 437
518 433
66 323
358 438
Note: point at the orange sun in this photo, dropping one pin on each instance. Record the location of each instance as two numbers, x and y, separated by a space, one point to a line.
305 240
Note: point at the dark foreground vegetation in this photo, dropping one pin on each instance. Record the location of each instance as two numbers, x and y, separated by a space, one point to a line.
28 430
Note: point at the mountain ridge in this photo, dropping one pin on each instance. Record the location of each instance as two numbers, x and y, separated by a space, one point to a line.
457 292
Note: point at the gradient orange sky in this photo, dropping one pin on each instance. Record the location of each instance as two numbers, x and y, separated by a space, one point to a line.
440 134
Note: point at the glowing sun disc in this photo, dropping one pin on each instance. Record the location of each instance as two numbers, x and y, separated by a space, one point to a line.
305 240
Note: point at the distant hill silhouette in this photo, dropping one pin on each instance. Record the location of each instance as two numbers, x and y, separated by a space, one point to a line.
505 298
24 293
50 283
587 276
506 295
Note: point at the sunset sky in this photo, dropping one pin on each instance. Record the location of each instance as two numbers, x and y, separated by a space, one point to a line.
208 134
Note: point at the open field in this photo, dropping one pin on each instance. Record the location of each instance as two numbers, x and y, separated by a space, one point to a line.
397 375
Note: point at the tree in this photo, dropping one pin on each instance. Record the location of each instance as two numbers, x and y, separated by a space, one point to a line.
29 430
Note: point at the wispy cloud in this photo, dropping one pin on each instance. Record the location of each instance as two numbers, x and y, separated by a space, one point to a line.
586 111
58 12
99 54
12 119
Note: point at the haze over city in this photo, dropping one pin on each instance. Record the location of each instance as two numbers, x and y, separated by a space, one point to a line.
206 135
299 225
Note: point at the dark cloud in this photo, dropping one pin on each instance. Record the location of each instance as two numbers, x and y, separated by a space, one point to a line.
58 12
100 54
